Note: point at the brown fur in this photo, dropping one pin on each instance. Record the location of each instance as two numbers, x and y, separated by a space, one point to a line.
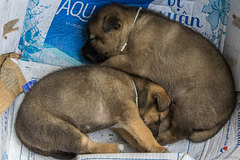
189 67
62 107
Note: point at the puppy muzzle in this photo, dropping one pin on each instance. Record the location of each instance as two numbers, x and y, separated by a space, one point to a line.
91 55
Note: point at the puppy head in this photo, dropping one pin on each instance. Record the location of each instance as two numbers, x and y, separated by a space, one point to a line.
153 119
107 31
156 108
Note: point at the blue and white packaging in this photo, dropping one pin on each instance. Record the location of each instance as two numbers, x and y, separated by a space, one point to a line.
209 17
54 31
26 87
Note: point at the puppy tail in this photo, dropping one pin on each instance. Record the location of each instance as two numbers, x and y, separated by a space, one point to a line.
200 136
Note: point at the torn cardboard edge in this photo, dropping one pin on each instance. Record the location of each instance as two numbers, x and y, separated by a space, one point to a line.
11 80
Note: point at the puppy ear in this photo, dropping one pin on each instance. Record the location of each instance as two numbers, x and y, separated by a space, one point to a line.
111 22
163 101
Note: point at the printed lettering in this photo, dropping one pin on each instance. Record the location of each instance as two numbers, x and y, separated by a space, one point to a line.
227 136
77 15
5 120
197 22
184 12
189 21
90 13
238 135
63 7
184 19
74 25
78 9
174 16
238 138
238 121
174 2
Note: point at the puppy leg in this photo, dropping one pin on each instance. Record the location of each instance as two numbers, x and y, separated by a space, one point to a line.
167 138
122 62
79 143
176 132
134 125
53 135
128 137
197 109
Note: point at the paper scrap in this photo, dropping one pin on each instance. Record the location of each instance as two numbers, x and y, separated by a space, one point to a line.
236 21
8 27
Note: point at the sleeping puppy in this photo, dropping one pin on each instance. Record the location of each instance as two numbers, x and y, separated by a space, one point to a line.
193 72
62 107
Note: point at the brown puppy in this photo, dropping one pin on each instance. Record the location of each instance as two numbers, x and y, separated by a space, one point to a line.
188 66
57 112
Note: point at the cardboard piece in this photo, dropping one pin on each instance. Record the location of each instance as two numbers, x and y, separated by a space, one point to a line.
11 80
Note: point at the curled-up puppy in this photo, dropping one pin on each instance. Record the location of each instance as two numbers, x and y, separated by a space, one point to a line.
193 72
62 107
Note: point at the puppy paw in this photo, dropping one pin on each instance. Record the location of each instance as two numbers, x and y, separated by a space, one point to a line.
121 148
157 149
164 139
166 151
161 141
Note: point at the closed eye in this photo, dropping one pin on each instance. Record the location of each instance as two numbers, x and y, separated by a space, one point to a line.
159 120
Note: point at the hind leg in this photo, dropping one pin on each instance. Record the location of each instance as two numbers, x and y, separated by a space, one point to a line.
180 126
54 135
174 134
195 110
71 139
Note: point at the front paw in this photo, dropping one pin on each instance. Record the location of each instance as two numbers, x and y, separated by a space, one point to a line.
121 148
164 150
161 139
166 138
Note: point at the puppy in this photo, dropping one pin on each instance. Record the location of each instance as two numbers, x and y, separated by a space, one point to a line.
193 72
62 107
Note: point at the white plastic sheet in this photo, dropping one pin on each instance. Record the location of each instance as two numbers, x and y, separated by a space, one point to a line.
206 16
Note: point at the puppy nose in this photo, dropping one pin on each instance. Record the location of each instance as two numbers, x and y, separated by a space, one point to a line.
92 37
